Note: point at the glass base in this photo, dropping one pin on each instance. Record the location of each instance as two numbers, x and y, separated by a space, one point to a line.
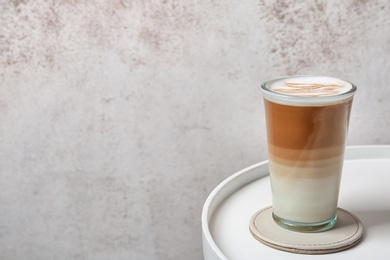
305 227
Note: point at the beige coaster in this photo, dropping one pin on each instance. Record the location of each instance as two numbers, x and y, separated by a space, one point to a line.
347 232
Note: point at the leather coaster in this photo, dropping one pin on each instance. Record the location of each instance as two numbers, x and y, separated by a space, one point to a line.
347 232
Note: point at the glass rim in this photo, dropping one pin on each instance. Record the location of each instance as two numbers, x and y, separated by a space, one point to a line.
309 100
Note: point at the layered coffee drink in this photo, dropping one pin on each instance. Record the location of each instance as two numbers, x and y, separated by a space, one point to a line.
307 121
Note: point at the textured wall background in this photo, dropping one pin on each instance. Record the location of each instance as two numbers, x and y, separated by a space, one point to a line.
118 118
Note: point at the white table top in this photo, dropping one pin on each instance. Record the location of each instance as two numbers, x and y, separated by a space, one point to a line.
365 191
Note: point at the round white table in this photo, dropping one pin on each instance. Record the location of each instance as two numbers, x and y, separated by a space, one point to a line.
365 191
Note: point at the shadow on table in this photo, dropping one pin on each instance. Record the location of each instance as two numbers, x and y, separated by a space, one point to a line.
372 218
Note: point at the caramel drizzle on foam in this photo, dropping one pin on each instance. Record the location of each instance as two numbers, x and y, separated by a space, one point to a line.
307 89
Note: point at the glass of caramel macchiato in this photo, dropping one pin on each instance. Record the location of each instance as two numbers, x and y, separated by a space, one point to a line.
307 121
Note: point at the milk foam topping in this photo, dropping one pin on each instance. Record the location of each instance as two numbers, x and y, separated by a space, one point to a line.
308 90
310 86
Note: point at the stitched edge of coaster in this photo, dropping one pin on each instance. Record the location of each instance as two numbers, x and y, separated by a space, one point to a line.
292 247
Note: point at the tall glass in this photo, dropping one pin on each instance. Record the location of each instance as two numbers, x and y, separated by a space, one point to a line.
307 120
